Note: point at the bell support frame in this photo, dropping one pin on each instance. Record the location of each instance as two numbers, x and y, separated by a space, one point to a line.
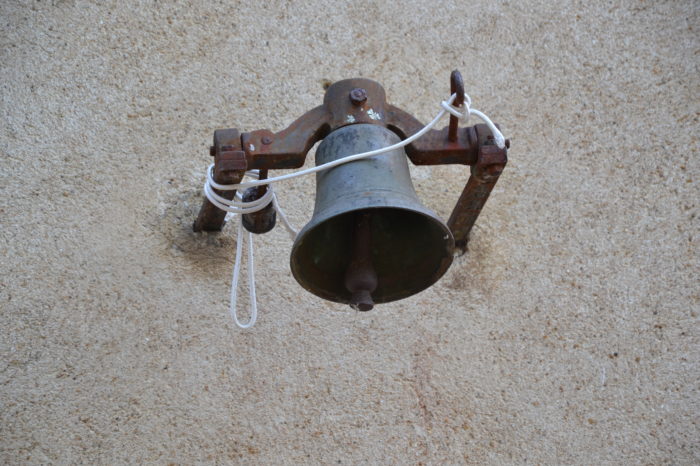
353 101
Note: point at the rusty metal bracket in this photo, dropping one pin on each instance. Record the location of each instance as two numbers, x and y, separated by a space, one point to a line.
354 101
229 168
491 160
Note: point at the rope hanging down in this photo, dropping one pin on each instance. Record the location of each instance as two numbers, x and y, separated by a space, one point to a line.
237 206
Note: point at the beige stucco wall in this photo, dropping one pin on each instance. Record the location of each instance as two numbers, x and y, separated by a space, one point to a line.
567 335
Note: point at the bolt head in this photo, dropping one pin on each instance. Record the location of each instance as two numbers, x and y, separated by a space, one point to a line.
358 96
266 140
495 170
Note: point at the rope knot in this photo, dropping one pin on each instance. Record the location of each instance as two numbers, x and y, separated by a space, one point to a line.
466 110
462 112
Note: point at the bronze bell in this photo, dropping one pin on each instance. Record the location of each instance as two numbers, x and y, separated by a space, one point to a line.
370 240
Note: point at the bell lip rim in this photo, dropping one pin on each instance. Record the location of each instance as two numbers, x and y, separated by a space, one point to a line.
445 263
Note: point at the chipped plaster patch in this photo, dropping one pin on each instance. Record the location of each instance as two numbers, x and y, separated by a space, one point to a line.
373 115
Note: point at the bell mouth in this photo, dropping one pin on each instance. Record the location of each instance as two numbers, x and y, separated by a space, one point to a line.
410 250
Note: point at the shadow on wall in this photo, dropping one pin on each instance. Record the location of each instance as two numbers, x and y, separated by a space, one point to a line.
205 252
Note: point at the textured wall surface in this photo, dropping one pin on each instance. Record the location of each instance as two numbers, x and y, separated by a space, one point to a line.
567 335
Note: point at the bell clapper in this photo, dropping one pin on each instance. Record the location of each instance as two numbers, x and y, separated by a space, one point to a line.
360 277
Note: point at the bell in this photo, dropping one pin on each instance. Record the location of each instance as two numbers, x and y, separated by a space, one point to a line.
370 240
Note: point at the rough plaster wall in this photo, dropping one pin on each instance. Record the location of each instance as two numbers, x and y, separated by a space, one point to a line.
567 335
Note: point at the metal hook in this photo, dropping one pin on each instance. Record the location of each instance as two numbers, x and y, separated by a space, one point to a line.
456 87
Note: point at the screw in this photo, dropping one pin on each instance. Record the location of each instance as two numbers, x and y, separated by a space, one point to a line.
358 96
266 140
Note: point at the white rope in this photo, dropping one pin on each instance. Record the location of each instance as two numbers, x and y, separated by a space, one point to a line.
237 206
251 278
467 110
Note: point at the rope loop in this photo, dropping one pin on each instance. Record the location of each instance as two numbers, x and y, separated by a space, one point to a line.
251 278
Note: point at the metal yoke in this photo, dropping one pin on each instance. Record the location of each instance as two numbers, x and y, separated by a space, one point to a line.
348 102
